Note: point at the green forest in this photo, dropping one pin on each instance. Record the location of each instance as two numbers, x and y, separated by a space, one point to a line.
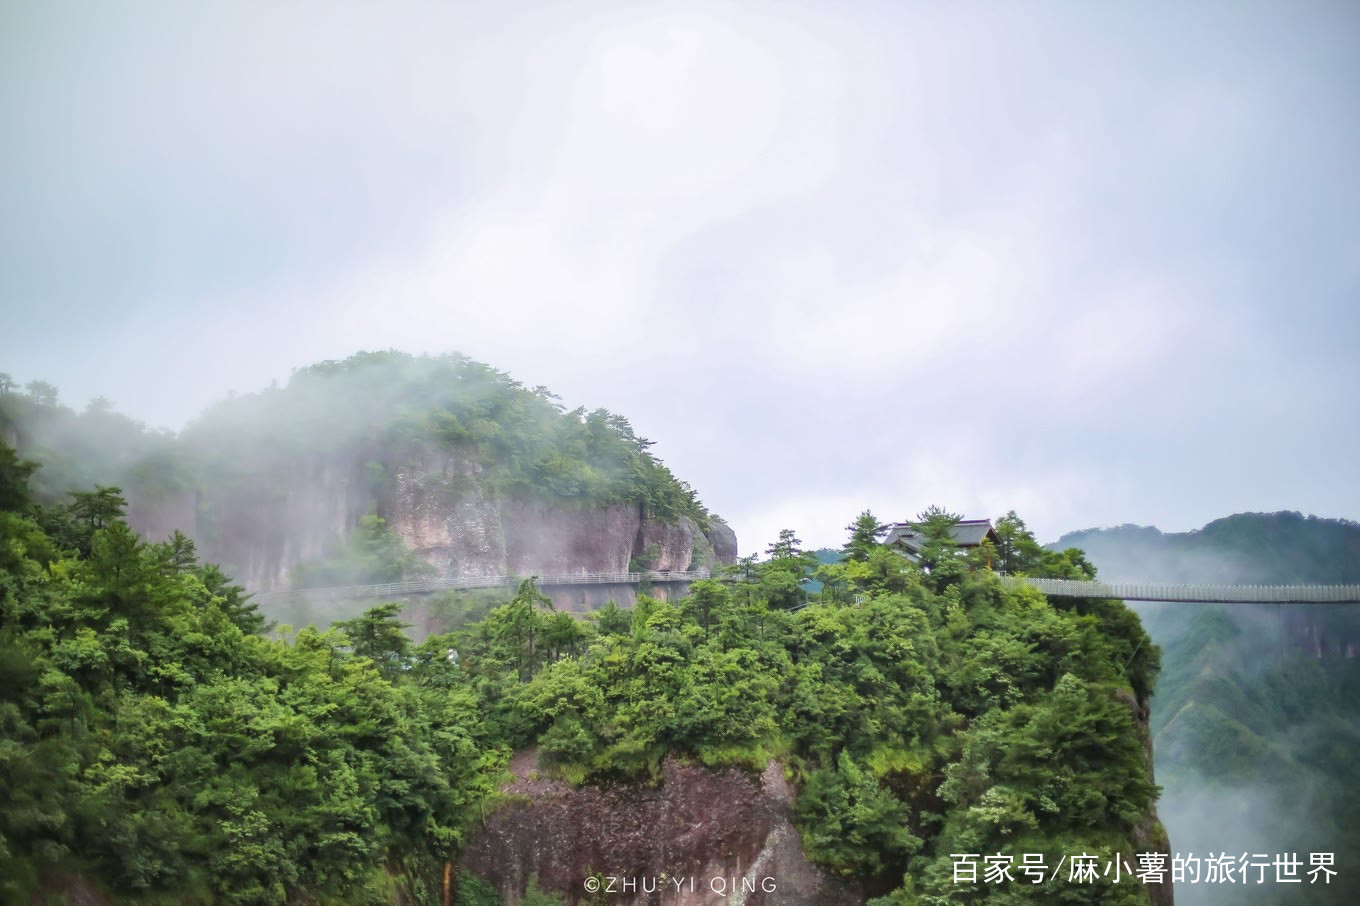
375 410
1258 707
161 741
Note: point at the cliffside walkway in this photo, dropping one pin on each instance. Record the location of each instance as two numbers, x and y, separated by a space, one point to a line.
1196 594
1064 588
429 586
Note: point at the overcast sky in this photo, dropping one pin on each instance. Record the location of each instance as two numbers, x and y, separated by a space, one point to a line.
1099 263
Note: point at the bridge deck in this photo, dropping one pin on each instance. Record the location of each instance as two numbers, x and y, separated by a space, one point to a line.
1197 594
427 586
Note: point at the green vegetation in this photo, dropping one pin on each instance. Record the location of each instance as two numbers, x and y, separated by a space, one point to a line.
519 442
158 743
153 741
437 429
928 717
1258 708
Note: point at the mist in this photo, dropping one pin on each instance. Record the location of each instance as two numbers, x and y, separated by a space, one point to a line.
1042 260
382 468
1254 718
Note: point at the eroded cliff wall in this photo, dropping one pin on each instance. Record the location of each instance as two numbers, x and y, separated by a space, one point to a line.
261 528
679 842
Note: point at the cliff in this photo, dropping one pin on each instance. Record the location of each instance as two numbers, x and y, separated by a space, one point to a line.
701 836
469 472
1149 833
262 529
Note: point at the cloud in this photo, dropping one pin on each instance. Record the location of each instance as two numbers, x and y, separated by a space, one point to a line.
828 258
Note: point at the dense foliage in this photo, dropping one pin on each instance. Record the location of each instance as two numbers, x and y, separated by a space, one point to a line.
520 442
363 424
1258 708
919 714
153 740
157 742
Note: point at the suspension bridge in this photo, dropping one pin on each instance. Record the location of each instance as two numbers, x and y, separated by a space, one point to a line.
1195 594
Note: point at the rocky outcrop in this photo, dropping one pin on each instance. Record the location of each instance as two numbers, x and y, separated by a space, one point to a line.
157 518
667 546
723 540
260 528
1149 835
701 836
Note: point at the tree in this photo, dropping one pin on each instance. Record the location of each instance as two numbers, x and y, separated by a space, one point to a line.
14 476
707 601
788 547
42 393
1017 549
521 625
99 405
937 521
864 534
99 508
611 619
937 526
92 511
380 636
178 554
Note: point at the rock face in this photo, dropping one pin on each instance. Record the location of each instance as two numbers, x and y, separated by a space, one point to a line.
672 544
723 539
703 836
1149 835
261 528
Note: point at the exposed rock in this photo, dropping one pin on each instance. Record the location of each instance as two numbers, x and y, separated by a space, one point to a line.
723 539
438 509
700 831
260 531
261 528
1149 835
542 538
674 543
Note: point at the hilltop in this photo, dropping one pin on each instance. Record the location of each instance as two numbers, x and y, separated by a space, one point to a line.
381 467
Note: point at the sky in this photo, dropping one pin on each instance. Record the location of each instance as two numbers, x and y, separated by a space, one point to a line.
1097 263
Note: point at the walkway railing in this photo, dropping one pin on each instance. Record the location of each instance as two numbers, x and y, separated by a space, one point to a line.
425 586
1196 594
1068 588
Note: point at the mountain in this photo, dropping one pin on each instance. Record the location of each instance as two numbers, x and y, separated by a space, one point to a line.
1248 549
381 467
1257 712
160 744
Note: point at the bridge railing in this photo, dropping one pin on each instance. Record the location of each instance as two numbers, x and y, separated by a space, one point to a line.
1205 594
441 583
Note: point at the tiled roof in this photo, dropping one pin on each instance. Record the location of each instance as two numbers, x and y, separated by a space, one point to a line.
965 532
971 532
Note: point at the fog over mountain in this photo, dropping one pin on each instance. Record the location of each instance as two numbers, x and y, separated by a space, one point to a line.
865 244
1256 718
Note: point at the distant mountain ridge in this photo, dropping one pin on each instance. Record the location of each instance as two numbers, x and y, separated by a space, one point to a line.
1247 548
1256 715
